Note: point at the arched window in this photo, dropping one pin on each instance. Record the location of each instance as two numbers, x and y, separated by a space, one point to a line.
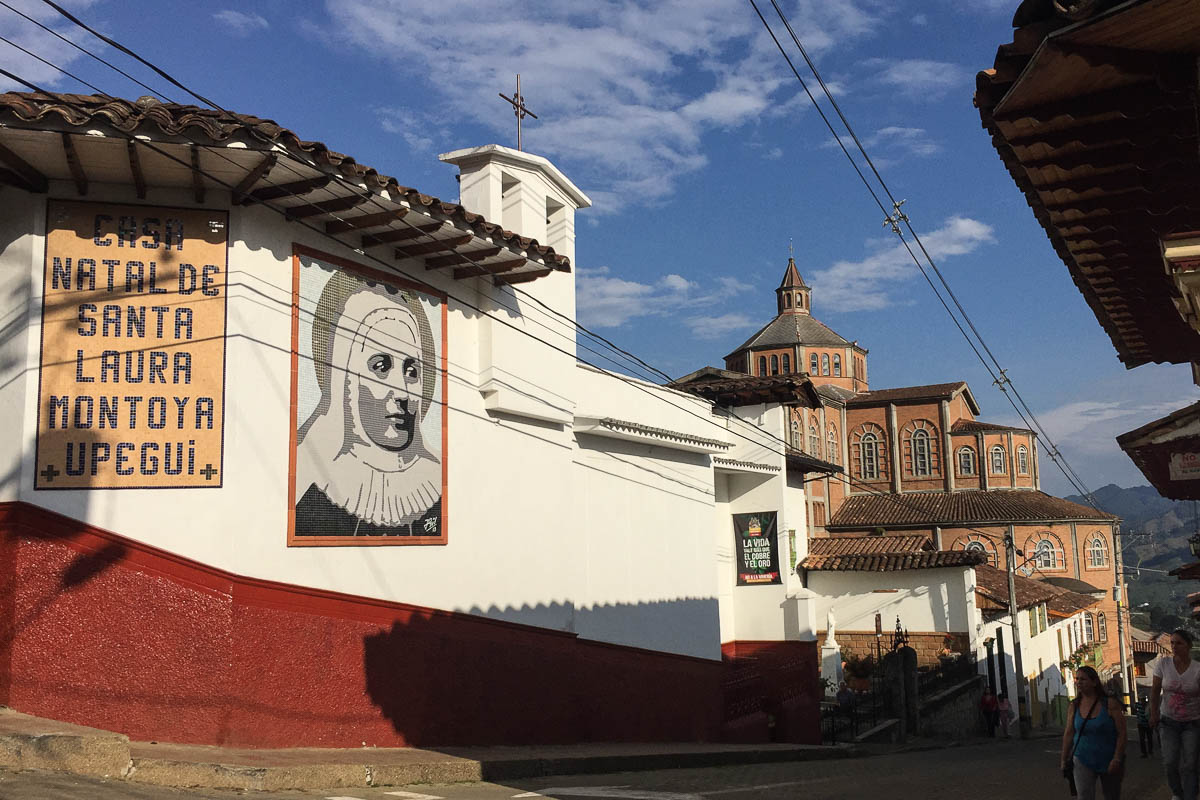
978 544
921 448
774 365
1046 551
762 365
787 364
966 461
814 365
837 365
787 301
1089 630
1023 460
831 447
1097 551
824 363
814 441
1102 626
796 443
998 460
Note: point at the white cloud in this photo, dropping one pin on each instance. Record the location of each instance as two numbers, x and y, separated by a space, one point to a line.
918 78
32 38
708 327
919 19
890 145
608 301
240 23
624 91
864 285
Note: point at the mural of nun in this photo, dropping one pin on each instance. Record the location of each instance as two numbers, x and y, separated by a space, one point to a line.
362 467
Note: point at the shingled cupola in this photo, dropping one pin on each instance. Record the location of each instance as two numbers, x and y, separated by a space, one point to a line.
793 295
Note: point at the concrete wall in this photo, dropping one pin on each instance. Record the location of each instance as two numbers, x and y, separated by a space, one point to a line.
941 600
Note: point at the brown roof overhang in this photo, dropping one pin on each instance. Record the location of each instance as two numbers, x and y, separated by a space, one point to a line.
751 390
893 562
1095 122
147 143
1167 451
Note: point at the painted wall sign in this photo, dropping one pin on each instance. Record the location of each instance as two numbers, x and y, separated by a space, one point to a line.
757 548
1185 466
368 460
132 383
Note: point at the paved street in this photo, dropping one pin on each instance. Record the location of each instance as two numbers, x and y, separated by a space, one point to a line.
1024 770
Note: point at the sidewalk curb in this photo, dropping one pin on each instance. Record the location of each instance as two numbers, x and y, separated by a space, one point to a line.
97 753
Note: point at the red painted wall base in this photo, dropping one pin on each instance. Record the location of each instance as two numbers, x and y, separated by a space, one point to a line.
103 631
778 687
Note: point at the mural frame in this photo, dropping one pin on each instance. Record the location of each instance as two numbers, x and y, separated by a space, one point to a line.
353 267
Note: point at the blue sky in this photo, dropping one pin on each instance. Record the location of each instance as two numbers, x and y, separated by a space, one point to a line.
703 158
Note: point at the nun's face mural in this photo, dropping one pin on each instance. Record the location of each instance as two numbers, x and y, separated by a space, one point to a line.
363 466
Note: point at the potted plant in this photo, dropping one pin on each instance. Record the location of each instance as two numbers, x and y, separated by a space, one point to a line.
858 671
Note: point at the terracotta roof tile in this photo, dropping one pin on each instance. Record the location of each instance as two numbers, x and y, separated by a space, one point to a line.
865 544
965 507
894 562
209 126
992 584
979 426
933 391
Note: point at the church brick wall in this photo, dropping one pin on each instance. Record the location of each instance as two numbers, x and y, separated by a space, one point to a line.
927 644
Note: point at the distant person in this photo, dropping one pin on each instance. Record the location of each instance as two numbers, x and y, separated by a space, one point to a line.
845 699
1145 732
991 711
1175 711
1004 713
1093 745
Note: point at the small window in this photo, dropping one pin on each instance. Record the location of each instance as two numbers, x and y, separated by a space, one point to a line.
825 363
787 301
796 443
1102 626
1097 552
787 364
1089 632
814 365
1023 460
837 365
998 459
774 365
831 451
868 446
762 365
966 461
1046 555
921 465
814 441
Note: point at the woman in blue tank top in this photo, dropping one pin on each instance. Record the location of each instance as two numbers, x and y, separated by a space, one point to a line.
1093 748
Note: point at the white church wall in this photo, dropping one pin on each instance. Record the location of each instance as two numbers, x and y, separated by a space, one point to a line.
515 548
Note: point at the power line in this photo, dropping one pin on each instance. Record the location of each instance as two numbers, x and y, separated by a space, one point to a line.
893 220
175 82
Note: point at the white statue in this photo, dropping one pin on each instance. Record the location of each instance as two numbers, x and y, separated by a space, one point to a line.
830 629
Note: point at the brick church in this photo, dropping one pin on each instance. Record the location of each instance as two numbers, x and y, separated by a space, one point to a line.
916 460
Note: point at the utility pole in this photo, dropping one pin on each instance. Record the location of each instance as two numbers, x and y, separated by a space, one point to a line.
1026 723
1119 597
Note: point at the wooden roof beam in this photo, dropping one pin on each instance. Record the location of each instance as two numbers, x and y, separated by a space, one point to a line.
135 168
400 234
74 165
287 189
325 207
414 250
521 277
30 179
197 177
365 221
454 259
257 173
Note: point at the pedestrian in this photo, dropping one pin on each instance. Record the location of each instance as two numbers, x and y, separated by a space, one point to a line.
990 709
1175 711
1004 713
845 699
1145 732
1093 745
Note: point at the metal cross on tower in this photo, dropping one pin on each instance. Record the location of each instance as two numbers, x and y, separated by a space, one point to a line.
519 109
